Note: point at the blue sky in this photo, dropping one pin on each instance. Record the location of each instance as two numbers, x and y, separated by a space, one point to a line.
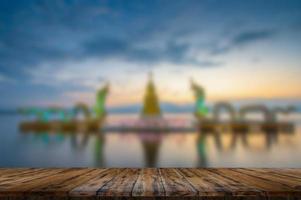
60 51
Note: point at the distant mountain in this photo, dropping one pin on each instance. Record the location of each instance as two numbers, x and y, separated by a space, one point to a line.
189 107
132 108
8 111
166 107
183 108
177 108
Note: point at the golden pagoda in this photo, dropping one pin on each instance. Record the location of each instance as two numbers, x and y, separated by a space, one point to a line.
151 107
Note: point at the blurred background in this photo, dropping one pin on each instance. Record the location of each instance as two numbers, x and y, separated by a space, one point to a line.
111 83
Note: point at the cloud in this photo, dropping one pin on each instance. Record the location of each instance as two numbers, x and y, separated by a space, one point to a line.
5 79
169 51
86 74
244 38
33 34
252 36
55 31
105 47
69 74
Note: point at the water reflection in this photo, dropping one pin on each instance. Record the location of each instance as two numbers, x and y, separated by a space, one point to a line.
151 145
224 141
234 137
99 159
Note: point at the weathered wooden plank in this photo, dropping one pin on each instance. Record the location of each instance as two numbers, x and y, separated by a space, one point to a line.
290 182
277 172
296 173
22 178
10 173
25 187
175 184
148 184
267 187
121 185
5 171
209 183
203 185
91 187
61 187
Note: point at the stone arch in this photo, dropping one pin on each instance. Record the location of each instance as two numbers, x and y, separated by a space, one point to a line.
81 107
268 115
283 110
218 107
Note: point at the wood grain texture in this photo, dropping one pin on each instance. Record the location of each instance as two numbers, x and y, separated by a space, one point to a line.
175 184
150 183
90 188
121 185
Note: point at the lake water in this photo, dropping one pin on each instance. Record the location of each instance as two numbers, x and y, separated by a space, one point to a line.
113 149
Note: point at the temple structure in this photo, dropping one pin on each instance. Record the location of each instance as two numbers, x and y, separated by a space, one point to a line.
151 106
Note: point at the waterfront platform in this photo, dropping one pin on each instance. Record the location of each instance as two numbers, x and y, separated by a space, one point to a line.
149 183
207 126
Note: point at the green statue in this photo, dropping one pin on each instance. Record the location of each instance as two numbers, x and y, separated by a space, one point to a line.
100 101
201 110
44 114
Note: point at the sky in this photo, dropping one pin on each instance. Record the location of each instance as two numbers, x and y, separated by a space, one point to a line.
59 52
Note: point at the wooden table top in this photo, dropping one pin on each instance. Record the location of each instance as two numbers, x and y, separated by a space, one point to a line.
148 183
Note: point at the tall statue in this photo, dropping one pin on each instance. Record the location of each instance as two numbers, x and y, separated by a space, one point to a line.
151 107
201 110
101 95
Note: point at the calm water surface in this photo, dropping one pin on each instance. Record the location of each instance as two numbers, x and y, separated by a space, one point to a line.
111 149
